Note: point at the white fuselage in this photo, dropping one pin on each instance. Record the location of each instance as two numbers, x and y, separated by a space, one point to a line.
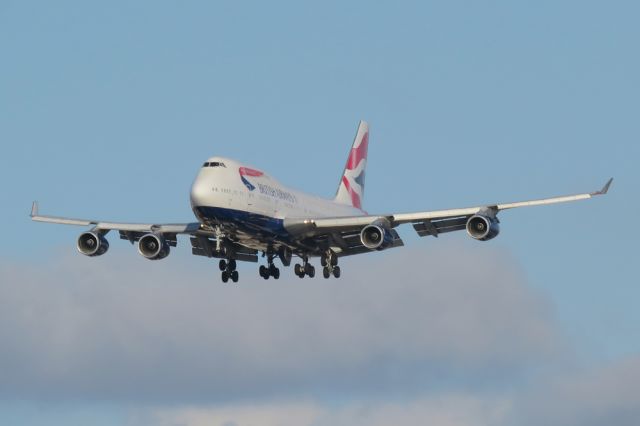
219 192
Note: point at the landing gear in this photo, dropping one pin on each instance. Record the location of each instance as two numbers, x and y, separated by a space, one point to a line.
269 271
228 268
227 264
305 269
329 261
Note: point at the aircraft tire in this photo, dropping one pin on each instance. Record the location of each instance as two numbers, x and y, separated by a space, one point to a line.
325 272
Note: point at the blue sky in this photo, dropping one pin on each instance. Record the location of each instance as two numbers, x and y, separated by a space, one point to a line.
108 109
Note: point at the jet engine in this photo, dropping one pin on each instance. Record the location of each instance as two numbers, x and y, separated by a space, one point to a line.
377 235
92 244
153 247
483 228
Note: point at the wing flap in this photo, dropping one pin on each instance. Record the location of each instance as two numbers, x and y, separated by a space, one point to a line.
205 246
436 227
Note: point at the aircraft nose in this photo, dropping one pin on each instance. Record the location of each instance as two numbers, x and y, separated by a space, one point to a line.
200 192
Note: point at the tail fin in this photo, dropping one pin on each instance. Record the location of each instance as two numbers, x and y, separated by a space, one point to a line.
351 187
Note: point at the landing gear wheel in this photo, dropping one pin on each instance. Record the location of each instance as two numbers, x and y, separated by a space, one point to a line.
326 272
234 276
336 271
225 276
222 265
263 271
231 264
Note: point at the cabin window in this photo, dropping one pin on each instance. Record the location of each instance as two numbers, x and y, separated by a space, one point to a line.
214 164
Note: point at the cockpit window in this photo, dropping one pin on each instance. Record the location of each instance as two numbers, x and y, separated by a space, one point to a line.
214 164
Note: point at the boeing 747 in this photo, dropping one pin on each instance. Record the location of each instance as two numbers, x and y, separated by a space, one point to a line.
242 212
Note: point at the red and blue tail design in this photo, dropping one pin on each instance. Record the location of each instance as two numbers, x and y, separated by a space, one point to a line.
351 187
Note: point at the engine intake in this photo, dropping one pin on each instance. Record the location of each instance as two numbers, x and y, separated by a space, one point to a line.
92 244
482 228
153 247
377 235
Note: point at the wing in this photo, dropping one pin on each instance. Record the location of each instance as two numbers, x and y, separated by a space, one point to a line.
99 225
425 223
203 240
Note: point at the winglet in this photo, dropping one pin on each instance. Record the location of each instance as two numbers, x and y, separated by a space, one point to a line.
34 209
604 189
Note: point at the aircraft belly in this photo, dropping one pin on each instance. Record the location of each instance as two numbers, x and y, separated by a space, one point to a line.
244 224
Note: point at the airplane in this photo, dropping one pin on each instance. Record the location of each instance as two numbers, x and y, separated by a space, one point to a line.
242 211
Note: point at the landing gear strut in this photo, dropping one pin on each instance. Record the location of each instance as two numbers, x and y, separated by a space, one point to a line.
270 270
329 262
305 269
228 268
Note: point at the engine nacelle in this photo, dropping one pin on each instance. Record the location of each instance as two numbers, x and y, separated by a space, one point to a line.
482 228
377 236
92 244
153 247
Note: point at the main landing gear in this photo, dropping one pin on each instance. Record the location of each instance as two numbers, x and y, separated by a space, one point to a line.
305 269
228 268
329 262
269 271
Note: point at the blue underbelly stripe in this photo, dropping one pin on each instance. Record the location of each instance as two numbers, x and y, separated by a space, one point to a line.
243 220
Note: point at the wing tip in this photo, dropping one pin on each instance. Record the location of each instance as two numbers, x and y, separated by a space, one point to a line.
604 189
34 209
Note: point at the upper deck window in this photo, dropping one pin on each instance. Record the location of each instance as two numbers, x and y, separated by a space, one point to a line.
214 164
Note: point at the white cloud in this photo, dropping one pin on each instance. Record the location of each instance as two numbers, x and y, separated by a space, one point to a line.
445 336
117 328
443 410
283 414
608 395
588 397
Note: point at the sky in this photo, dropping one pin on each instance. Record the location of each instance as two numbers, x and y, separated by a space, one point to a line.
107 110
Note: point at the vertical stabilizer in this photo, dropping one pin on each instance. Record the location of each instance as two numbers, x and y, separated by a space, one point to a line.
351 187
